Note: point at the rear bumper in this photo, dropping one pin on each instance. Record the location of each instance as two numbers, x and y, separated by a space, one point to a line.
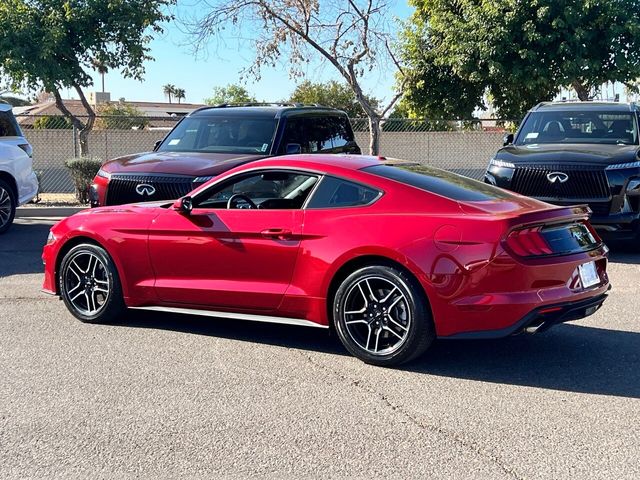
541 318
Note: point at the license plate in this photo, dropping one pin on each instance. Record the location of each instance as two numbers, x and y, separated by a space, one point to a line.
588 274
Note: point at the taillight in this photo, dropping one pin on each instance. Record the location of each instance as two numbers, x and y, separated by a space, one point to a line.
528 242
27 149
593 232
554 239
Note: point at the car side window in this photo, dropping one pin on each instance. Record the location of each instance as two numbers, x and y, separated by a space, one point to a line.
268 189
335 192
318 134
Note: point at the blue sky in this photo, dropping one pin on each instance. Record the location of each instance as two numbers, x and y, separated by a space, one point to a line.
175 63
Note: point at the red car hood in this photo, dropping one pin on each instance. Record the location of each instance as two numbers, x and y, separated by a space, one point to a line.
178 163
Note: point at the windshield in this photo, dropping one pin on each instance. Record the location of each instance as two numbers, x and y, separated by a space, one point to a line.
579 127
221 135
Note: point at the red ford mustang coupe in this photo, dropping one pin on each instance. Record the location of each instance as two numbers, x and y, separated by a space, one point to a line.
390 254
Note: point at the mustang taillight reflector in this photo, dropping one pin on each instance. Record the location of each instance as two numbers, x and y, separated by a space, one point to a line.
528 242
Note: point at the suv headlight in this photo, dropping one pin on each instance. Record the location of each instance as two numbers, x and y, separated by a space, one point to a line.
620 166
500 163
104 174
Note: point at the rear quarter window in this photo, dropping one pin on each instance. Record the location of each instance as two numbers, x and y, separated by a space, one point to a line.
446 184
336 192
8 125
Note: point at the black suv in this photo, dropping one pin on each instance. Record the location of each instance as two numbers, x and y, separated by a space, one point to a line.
570 153
212 140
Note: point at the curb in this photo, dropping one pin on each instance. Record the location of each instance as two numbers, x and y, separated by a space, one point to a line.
46 212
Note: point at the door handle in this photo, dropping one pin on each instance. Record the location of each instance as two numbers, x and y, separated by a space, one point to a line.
279 233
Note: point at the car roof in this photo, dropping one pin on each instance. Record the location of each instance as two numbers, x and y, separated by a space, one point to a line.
317 161
586 106
267 110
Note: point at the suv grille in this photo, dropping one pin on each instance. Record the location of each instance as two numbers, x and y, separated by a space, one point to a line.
122 188
583 183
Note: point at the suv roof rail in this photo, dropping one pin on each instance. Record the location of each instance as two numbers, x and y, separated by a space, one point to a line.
260 104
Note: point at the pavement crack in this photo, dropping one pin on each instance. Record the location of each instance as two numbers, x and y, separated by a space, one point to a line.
399 409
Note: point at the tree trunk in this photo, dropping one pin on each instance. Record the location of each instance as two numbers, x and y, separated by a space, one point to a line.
581 90
374 135
83 134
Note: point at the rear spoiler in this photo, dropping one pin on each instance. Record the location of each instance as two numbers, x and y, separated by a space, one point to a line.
553 215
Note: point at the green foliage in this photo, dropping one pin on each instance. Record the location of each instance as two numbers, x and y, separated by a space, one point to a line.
230 94
55 43
114 116
51 122
520 53
331 94
83 170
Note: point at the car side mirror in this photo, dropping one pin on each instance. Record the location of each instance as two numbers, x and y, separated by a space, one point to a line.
156 145
293 148
507 139
184 205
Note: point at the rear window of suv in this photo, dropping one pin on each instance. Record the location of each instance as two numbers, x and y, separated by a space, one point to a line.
579 127
8 125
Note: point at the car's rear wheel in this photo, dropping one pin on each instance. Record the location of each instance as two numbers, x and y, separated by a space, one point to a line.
90 286
8 204
382 317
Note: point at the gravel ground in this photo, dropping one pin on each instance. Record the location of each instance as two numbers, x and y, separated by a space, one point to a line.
164 396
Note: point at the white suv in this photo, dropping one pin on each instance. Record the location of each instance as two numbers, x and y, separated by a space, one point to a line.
18 182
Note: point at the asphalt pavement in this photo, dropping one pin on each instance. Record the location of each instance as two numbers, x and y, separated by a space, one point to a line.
166 396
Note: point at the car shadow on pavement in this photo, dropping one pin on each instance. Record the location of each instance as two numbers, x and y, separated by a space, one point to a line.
569 357
288 336
21 247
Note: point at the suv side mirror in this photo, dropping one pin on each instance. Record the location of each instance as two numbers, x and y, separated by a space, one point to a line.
293 148
507 139
184 205
156 145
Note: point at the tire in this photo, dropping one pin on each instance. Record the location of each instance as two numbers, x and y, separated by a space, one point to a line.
382 317
90 286
8 204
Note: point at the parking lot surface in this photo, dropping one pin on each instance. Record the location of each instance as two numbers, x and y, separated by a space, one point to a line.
161 395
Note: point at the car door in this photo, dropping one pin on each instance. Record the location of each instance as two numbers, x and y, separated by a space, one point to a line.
233 258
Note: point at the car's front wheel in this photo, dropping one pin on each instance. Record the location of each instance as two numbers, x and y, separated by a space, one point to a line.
8 204
382 317
90 286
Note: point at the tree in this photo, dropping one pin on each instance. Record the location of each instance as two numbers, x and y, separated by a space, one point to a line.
230 94
114 116
102 70
169 89
52 44
519 52
353 36
179 94
51 122
331 94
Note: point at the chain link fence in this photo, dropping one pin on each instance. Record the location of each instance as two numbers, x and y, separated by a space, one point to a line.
463 147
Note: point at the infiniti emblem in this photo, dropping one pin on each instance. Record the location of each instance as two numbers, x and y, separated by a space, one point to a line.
559 177
145 189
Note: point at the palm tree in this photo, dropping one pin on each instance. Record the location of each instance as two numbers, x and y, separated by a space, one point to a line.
101 68
169 90
179 94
